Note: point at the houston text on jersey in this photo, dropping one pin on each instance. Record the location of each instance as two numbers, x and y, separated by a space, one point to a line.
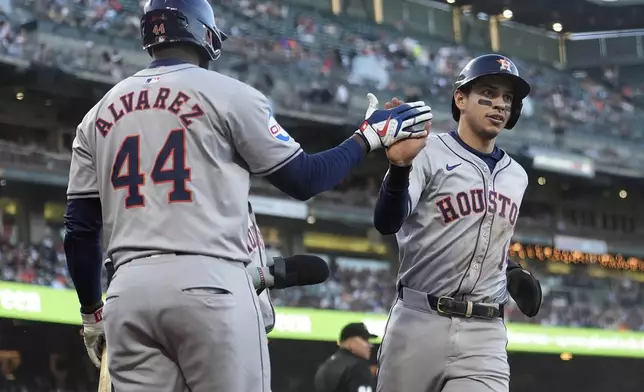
472 202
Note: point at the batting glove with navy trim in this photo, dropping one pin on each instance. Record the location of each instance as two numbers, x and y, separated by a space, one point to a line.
94 335
384 127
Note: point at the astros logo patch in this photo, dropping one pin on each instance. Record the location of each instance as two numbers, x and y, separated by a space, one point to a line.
505 64
276 130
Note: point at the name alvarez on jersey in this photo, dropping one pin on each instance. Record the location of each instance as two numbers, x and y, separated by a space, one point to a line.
125 105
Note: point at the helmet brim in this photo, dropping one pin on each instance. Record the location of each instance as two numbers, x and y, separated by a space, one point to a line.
520 87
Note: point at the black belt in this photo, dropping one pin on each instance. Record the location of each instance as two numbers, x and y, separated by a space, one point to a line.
449 306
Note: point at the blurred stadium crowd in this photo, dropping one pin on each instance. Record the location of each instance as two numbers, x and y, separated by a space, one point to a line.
310 61
307 61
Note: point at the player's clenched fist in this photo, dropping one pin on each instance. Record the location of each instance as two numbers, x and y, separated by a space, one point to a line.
384 127
402 153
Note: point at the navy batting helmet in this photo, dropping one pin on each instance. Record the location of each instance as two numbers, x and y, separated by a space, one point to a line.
494 64
188 21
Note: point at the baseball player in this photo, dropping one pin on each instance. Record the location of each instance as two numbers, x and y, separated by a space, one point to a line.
162 164
453 208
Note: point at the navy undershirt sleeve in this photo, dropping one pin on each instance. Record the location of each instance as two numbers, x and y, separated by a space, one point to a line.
308 175
83 224
393 203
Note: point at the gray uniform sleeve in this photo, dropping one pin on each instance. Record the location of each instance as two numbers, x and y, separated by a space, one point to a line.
258 138
83 182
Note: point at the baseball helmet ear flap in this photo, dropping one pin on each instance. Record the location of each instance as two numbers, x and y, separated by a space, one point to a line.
515 113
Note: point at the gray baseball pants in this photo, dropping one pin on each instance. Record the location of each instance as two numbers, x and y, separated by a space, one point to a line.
423 351
185 323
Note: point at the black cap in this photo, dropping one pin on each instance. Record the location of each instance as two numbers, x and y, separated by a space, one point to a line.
356 329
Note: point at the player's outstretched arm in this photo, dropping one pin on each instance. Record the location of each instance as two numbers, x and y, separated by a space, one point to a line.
309 175
270 151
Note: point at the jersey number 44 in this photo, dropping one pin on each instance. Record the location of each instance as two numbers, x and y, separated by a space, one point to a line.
170 166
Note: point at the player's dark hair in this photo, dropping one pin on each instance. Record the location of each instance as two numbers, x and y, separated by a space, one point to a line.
466 90
160 48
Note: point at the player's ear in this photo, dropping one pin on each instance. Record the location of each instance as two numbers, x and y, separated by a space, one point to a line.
460 98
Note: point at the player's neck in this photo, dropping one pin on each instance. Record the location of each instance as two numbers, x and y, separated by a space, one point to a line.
178 54
470 138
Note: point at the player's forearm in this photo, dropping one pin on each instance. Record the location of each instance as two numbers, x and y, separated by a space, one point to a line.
83 223
393 203
309 175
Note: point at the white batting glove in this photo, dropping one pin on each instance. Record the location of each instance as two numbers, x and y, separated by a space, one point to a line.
373 105
384 127
94 335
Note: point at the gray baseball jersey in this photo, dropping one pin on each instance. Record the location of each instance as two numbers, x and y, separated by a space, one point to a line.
453 243
455 240
169 151
258 258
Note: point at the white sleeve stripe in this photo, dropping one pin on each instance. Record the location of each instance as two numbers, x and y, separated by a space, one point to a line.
83 195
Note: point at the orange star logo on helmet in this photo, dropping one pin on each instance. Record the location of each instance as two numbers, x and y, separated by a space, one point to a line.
505 64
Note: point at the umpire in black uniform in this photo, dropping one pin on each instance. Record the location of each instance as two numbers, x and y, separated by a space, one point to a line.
348 370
